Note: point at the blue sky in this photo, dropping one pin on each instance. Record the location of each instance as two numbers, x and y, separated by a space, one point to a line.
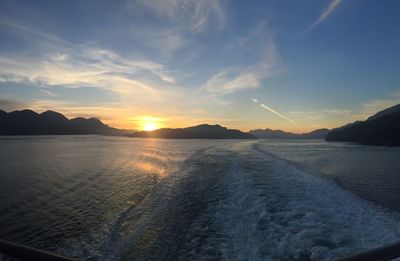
308 64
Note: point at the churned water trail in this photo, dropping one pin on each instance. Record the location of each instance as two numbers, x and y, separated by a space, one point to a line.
133 199
243 204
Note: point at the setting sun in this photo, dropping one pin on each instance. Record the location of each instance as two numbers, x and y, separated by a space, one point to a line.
149 126
146 122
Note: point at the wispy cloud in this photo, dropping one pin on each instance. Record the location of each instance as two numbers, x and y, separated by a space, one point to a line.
62 63
187 15
180 22
229 80
325 14
167 42
223 82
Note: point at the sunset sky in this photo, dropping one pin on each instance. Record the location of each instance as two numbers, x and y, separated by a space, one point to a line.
281 64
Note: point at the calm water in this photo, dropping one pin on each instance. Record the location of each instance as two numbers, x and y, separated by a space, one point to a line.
149 199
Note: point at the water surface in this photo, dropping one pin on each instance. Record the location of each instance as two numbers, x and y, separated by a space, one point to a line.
113 198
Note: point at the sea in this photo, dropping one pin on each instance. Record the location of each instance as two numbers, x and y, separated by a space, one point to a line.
120 198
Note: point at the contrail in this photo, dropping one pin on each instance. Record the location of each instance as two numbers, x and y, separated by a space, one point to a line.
328 11
275 112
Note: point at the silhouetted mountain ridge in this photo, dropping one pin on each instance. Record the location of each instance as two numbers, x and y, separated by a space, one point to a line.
385 112
28 122
279 134
55 116
203 131
383 128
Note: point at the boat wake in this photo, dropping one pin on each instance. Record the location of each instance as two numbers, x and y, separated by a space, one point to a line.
241 203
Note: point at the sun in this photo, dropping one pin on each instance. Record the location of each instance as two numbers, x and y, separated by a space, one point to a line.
147 123
149 126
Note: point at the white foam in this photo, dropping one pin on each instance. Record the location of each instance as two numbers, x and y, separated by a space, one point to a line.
277 211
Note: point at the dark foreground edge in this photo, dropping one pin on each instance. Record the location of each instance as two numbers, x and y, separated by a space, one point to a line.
29 253
383 253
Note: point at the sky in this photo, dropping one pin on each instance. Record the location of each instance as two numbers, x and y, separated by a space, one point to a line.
279 64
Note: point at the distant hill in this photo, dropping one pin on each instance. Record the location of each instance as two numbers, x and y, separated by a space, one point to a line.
383 128
203 131
279 134
27 122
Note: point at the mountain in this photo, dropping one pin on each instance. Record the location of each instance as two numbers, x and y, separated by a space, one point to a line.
383 128
54 116
279 134
203 131
385 112
315 134
27 122
91 125
271 134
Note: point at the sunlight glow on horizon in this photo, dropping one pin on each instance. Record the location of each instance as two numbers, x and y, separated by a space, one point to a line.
147 123
149 126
